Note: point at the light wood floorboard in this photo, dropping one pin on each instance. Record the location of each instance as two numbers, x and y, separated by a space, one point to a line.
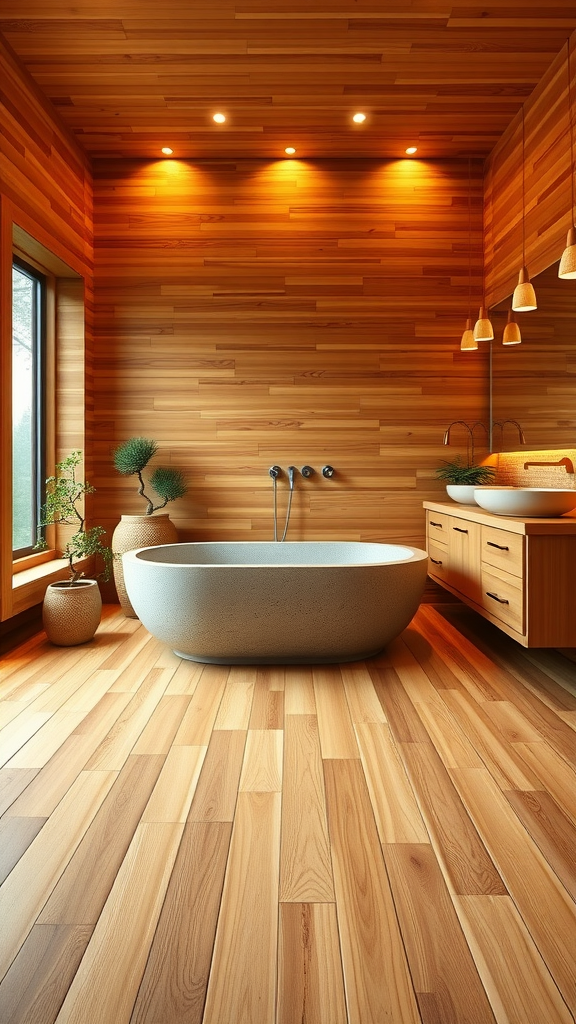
383 842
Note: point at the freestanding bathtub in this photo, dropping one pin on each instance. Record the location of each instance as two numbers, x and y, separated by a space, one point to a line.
265 602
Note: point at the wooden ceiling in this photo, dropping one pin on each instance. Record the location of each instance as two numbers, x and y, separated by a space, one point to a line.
131 76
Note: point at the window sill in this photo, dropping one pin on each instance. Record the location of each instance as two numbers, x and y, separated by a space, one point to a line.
29 585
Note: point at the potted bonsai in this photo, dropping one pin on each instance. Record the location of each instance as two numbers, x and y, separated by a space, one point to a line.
462 477
148 529
72 608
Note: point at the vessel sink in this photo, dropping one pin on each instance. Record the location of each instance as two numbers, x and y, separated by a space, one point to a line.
545 502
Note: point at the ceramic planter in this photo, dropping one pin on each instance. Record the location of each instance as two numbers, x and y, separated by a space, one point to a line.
71 612
135 532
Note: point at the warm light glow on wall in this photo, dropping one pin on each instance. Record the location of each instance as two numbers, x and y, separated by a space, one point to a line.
359 118
167 151
289 150
219 118
411 150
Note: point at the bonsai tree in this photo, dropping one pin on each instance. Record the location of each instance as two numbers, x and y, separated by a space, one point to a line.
132 457
459 472
64 504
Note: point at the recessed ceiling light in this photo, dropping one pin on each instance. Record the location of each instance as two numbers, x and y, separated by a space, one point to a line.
359 118
167 151
219 118
411 150
289 150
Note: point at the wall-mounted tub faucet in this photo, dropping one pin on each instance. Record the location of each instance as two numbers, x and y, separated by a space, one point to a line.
327 471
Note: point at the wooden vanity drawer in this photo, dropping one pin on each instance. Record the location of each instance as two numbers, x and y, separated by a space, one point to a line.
438 525
503 550
503 597
438 560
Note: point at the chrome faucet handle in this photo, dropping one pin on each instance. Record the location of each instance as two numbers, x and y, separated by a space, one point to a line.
307 471
327 471
275 472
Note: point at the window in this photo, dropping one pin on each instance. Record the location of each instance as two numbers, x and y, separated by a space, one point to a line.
28 430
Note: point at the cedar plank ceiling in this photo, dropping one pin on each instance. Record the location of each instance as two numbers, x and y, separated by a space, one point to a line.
129 76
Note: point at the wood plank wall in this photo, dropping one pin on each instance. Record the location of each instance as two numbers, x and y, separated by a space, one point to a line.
45 189
286 312
535 382
548 165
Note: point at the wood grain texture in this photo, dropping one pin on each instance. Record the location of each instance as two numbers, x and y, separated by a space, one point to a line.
373 957
173 987
446 78
310 982
228 326
305 865
285 904
443 970
398 817
497 935
112 967
243 975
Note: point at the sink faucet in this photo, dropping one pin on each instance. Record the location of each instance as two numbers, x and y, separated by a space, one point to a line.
566 462
470 430
502 424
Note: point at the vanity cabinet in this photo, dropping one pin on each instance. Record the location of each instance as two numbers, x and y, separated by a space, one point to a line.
518 573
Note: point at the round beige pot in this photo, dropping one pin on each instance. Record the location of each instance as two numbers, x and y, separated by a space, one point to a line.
135 532
71 613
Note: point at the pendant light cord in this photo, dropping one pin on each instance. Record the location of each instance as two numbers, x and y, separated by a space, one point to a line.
571 125
469 238
523 191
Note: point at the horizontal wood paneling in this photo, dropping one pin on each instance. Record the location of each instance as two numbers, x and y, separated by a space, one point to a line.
129 78
46 191
291 313
547 160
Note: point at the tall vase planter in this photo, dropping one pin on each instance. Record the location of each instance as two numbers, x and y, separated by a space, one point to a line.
135 532
71 612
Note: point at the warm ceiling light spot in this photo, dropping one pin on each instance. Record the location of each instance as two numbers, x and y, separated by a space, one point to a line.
359 118
411 150
167 151
289 150
219 118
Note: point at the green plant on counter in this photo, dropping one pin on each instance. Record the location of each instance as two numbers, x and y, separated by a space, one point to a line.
459 472
132 457
64 505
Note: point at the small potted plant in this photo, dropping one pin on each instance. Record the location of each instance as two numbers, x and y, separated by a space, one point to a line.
72 608
148 529
461 478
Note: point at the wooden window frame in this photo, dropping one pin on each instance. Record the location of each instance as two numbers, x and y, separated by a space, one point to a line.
23 581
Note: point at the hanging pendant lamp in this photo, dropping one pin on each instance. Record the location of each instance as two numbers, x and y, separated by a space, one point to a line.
524 298
511 334
483 330
468 342
567 268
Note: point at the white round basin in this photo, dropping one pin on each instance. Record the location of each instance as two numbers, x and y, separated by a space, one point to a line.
544 502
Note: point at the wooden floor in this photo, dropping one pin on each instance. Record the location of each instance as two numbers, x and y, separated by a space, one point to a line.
385 841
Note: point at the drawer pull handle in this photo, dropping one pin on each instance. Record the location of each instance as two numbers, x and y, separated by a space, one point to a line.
501 547
439 525
459 530
501 600
436 561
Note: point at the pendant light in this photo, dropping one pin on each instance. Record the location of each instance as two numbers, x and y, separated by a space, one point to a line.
567 268
468 342
524 298
511 334
483 330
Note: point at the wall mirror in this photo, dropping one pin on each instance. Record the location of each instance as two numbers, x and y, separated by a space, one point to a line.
534 383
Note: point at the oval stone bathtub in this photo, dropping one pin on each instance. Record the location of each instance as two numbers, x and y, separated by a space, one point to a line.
265 602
